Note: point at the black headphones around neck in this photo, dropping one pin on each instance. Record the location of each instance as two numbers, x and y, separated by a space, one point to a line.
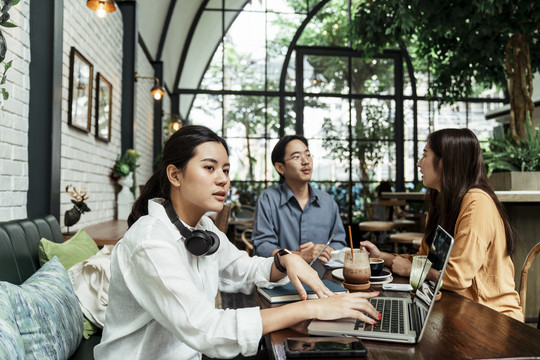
198 242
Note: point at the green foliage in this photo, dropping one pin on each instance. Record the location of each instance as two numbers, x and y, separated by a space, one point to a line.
373 129
124 165
505 154
5 6
462 41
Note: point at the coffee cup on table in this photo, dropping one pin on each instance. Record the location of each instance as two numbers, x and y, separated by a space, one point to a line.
376 265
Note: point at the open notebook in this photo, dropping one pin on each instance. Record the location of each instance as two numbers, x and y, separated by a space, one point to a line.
403 319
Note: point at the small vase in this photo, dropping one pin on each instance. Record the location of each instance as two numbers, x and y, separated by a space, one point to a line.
125 197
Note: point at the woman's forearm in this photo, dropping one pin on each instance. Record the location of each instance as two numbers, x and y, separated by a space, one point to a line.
285 316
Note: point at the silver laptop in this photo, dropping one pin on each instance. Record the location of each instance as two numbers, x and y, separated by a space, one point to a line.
404 320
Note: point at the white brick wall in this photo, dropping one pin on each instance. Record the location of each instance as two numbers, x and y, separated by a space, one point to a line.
86 160
14 118
144 117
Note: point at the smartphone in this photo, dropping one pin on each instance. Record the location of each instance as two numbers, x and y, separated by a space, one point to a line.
331 347
397 287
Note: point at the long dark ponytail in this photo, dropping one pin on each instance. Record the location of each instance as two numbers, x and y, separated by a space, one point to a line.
178 150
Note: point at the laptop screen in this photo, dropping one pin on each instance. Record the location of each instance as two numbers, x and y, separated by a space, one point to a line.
439 253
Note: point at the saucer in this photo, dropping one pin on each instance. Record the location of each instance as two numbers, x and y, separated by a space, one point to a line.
357 287
338 274
384 281
383 276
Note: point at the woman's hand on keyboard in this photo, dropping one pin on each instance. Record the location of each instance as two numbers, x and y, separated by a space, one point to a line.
352 305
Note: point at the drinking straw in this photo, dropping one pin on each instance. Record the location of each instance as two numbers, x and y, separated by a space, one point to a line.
350 240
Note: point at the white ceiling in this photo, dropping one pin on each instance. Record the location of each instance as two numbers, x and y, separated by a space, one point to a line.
152 16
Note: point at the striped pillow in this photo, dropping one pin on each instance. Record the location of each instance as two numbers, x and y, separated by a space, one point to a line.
46 313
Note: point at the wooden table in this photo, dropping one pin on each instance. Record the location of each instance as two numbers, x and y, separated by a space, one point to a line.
108 232
458 328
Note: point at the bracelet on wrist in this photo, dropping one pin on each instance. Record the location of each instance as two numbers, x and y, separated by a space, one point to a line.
277 263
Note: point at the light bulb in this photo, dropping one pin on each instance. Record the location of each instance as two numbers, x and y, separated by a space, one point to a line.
101 10
157 96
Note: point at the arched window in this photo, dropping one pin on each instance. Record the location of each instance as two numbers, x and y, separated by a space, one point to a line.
285 66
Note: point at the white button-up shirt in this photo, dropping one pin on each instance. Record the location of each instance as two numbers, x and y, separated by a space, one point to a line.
162 298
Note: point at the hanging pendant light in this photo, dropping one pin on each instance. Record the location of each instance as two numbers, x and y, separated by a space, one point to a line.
101 7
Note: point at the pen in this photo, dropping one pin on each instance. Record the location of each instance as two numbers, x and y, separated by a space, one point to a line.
319 254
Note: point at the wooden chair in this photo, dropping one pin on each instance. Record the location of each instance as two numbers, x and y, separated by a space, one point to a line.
524 273
246 240
375 227
412 239
222 218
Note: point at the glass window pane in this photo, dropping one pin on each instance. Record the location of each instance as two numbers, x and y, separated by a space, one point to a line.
290 116
325 74
244 116
245 53
373 77
328 27
477 119
272 113
247 158
373 119
252 5
280 31
326 117
410 161
207 111
450 116
329 164
379 161
213 77
284 6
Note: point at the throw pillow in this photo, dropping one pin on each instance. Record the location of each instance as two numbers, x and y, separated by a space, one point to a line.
79 248
11 344
46 312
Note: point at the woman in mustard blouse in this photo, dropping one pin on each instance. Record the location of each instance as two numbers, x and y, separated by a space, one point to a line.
461 200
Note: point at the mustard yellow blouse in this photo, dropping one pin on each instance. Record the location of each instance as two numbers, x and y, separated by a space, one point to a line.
479 267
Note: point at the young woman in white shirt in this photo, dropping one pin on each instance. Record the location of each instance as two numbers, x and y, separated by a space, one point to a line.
163 287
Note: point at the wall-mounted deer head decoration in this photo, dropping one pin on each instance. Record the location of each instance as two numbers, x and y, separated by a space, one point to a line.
79 207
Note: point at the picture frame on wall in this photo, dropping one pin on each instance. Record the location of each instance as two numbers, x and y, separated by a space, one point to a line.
81 73
103 108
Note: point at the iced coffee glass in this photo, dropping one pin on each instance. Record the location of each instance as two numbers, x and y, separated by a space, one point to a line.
356 268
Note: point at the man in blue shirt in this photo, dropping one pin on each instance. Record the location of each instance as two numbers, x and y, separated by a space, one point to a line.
293 215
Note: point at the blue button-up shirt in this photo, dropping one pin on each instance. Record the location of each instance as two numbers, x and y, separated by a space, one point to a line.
281 223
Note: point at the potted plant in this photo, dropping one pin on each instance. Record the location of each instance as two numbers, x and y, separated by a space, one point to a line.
124 166
461 44
510 163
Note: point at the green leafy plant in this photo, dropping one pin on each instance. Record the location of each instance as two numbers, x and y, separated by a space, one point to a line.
124 165
5 6
462 43
504 153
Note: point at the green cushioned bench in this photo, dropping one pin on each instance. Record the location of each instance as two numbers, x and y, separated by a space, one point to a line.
19 243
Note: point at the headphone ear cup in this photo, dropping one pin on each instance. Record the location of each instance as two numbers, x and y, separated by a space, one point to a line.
202 242
214 243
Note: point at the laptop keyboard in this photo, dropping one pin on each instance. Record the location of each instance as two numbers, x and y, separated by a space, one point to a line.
392 317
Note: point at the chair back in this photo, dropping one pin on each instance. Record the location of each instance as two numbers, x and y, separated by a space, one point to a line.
246 240
524 272
222 218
